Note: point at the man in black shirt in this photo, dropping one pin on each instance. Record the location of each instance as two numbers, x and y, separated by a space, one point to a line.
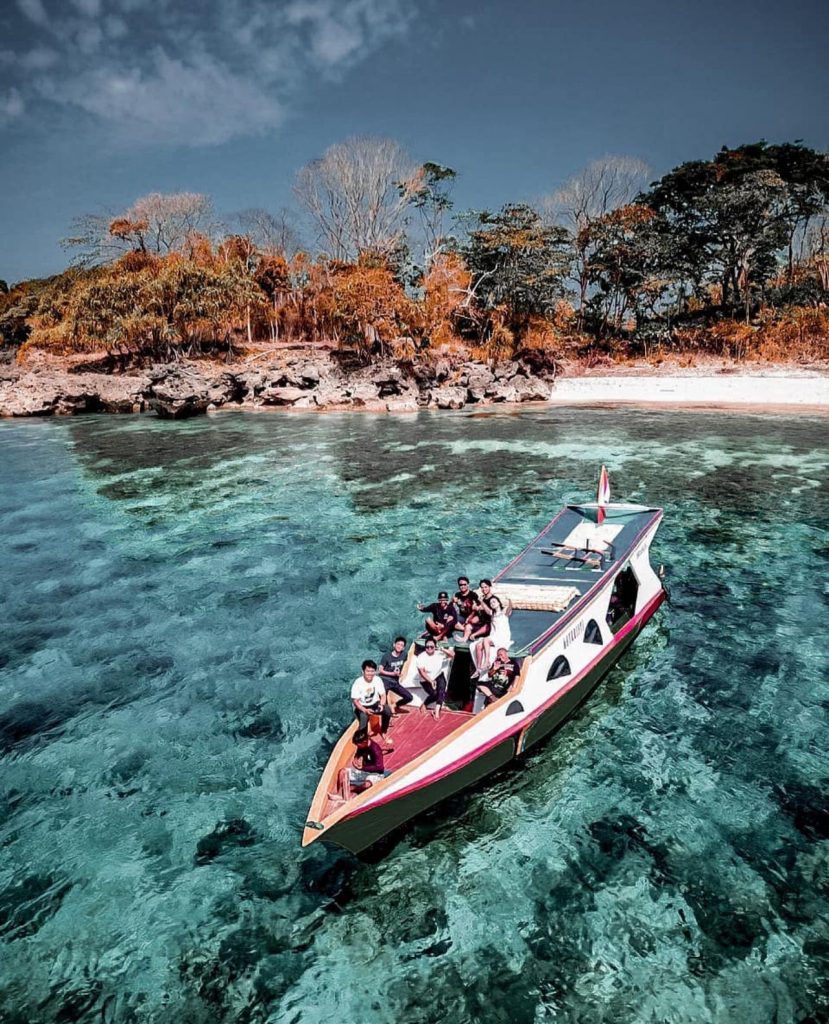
443 618
465 600
391 665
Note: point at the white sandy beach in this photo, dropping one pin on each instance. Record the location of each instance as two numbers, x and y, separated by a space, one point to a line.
778 389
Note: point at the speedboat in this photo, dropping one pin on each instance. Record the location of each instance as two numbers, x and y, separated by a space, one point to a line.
580 594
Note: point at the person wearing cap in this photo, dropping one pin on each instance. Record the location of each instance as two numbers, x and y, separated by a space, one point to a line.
443 617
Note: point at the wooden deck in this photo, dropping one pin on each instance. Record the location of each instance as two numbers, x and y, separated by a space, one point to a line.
417 731
412 733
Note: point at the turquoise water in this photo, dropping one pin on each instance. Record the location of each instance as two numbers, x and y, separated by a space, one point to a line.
183 607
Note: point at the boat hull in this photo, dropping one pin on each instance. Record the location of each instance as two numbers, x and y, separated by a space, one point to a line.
360 830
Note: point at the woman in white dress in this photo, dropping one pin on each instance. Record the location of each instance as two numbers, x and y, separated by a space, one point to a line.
500 635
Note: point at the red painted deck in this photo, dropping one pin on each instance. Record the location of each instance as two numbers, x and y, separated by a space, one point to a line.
412 734
415 732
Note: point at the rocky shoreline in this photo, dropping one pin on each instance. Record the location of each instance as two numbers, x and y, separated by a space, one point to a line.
190 388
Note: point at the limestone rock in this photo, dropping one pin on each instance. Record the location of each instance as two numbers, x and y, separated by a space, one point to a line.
282 395
503 391
58 393
531 389
405 403
503 371
449 397
363 392
478 379
179 392
331 392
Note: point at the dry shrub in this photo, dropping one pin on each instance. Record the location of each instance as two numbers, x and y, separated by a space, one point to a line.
370 308
446 301
728 338
800 333
497 342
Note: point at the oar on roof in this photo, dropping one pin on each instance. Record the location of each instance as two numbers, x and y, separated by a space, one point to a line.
602 495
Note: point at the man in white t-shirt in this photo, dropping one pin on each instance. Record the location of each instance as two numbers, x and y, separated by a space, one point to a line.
431 667
368 695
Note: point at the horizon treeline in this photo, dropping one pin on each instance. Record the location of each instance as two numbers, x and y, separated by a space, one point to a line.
728 255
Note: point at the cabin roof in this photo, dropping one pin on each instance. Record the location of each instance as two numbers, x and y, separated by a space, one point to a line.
595 552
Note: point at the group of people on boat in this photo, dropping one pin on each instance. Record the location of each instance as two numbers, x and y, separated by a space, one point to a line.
479 619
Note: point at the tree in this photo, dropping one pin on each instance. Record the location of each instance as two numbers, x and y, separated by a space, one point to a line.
351 193
370 309
602 186
624 267
804 172
724 222
428 191
269 233
157 224
517 262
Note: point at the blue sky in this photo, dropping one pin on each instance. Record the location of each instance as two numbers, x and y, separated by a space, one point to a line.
102 101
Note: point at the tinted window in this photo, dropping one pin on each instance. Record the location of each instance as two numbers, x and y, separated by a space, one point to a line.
560 667
592 634
622 604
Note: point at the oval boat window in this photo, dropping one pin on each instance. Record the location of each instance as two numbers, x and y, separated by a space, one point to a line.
515 708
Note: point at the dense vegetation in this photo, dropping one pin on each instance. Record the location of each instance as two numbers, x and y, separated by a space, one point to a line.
728 255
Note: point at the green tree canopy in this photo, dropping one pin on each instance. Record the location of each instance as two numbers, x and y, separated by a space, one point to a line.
518 262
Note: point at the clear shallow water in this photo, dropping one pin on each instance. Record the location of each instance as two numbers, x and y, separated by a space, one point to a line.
183 606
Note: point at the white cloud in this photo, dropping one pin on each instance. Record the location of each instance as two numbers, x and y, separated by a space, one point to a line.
11 106
171 101
115 27
34 11
89 38
162 70
91 8
39 59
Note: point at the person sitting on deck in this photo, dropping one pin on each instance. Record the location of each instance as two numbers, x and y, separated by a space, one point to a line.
499 635
442 617
501 677
391 665
368 696
431 667
464 600
367 766
477 624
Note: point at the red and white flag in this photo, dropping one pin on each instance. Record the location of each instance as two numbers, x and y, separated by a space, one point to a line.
602 495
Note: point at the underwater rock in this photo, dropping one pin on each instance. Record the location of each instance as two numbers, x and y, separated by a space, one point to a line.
226 836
